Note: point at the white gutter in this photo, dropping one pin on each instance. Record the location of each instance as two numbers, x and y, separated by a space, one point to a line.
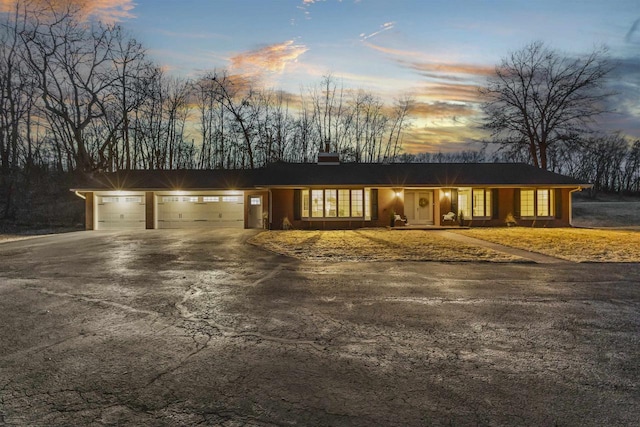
571 204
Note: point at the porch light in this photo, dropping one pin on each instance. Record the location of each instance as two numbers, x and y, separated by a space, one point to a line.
447 194
398 193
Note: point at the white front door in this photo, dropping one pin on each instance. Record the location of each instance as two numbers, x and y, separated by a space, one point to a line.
418 206
255 212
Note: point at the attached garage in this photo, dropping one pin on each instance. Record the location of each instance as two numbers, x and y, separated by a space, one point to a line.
116 212
200 211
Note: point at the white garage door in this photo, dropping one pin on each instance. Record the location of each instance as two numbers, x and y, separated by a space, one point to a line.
193 211
120 212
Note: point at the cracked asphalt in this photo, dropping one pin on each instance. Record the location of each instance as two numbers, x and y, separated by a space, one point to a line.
192 327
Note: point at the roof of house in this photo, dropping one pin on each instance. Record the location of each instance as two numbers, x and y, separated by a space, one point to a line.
349 174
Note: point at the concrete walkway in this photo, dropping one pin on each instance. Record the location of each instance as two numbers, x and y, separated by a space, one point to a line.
533 256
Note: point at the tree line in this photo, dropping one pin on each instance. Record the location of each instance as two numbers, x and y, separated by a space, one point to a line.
84 96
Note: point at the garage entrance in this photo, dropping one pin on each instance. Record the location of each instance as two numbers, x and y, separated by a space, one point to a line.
200 211
115 212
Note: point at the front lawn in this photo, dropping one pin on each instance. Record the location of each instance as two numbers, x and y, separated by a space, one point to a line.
574 244
374 245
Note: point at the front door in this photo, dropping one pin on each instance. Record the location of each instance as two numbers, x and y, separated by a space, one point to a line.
255 212
418 207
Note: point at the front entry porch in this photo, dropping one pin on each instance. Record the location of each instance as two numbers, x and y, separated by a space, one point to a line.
419 207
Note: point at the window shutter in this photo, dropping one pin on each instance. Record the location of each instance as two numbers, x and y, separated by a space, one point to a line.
558 200
374 203
516 203
297 204
454 201
494 204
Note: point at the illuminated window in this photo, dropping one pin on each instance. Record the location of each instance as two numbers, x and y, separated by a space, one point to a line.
191 199
305 203
335 203
317 203
343 203
211 199
110 199
367 204
135 199
356 203
537 203
464 202
527 203
330 203
231 199
255 201
481 202
544 202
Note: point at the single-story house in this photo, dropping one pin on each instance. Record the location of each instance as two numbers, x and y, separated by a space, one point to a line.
329 195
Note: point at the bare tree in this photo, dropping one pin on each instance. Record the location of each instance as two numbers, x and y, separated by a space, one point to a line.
540 98
71 63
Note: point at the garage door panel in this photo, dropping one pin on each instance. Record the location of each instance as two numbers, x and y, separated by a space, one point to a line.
191 211
120 212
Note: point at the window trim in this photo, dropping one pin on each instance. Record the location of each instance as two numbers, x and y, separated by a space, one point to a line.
321 194
487 203
550 202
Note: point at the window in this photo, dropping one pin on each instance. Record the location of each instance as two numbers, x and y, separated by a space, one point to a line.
335 203
537 203
481 202
527 205
464 202
356 203
317 203
343 203
210 199
544 202
135 199
330 203
166 199
305 203
367 204
230 199
110 199
255 201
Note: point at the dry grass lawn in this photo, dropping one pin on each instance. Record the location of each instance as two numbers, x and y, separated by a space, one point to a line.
574 244
374 245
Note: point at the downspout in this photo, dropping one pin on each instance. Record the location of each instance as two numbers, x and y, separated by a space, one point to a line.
82 196
571 204
270 210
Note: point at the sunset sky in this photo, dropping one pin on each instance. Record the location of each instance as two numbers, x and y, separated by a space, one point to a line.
437 51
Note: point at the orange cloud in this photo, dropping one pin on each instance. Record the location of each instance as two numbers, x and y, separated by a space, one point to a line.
444 70
441 110
450 92
105 10
435 139
273 58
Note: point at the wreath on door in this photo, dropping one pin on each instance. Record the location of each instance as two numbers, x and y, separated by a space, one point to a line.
423 202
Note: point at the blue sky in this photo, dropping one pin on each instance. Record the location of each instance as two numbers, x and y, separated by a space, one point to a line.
438 51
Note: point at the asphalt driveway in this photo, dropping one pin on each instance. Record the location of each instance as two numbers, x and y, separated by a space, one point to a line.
171 328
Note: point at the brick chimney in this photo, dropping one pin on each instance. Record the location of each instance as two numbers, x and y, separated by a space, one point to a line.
326 157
